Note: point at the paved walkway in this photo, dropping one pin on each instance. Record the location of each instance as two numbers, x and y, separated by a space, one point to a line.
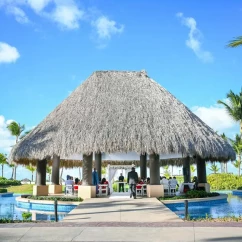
76 232
121 210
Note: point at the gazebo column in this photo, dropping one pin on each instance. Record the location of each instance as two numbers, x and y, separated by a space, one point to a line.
40 189
186 169
98 164
86 190
201 174
143 166
154 189
55 187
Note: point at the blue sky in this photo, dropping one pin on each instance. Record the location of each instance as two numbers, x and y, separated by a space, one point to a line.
49 47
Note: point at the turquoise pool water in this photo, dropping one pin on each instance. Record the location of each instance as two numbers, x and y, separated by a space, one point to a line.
11 209
232 206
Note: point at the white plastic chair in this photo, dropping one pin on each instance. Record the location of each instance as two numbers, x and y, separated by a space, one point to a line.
173 188
139 191
69 190
103 189
144 187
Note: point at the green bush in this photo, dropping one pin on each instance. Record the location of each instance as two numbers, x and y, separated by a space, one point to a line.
3 190
26 215
65 199
10 182
224 181
192 194
2 178
200 194
239 188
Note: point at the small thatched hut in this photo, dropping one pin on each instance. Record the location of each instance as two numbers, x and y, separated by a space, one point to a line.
122 111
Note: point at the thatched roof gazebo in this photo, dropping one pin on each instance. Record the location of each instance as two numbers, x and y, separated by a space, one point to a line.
121 111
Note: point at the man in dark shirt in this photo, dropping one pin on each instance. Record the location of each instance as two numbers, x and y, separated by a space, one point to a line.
121 184
132 181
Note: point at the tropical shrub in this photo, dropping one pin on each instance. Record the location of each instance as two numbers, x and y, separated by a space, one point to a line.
66 199
3 190
10 182
200 194
2 178
239 188
224 181
192 194
26 215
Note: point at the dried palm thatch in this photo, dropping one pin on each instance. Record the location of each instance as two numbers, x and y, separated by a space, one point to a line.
121 111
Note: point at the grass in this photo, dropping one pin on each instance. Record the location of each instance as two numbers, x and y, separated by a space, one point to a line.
22 189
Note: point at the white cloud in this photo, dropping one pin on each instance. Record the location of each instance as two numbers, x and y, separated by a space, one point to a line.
38 5
19 14
67 16
6 140
215 117
105 27
8 53
193 41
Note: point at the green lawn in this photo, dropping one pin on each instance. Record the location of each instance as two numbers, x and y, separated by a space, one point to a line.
22 189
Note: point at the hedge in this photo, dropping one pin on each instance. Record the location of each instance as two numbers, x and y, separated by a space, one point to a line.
192 194
10 183
3 190
49 198
224 181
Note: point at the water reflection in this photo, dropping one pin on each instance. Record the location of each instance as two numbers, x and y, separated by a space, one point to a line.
9 210
230 207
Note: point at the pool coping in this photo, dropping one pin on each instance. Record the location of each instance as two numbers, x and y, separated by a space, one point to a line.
205 199
27 200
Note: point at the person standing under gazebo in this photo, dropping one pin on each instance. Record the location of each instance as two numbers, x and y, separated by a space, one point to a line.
132 181
121 183
95 179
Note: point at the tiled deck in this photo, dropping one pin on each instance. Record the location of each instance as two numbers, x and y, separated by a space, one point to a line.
121 210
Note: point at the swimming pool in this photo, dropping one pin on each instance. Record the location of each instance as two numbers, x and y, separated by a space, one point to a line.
217 208
11 209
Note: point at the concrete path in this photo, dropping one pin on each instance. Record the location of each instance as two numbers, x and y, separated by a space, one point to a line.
121 210
129 234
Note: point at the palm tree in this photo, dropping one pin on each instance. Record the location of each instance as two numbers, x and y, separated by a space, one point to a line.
15 129
235 42
48 171
32 169
166 171
237 146
3 161
237 165
12 166
224 165
192 168
234 107
25 133
214 168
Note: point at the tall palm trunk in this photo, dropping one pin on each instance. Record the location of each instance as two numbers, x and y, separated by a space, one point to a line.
12 172
61 173
239 159
15 169
241 128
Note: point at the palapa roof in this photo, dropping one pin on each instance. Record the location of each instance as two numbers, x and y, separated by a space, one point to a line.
121 111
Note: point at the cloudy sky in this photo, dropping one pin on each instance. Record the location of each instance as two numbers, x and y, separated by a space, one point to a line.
49 47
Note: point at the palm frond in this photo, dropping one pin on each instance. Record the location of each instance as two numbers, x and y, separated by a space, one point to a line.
235 42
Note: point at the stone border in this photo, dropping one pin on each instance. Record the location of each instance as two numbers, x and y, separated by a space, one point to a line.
9 194
205 199
121 224
50 202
